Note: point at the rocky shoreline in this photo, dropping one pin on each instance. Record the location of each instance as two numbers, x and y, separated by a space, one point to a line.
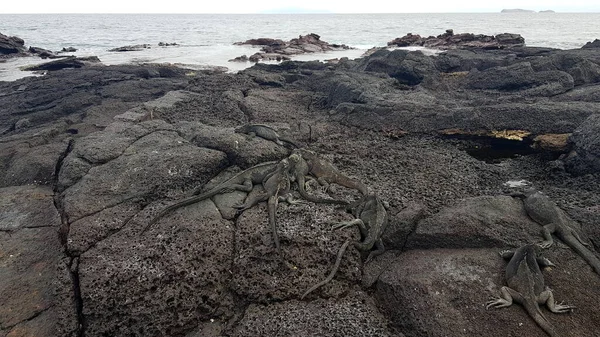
91 154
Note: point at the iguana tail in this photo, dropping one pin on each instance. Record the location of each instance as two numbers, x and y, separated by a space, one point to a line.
305 195
289 141
183 203
583 251
336 266
351 183
534 311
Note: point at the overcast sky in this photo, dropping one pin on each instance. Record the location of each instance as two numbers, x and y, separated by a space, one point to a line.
261 6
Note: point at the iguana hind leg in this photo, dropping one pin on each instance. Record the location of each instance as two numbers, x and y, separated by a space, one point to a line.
547 297
506 298
355 222
547 231
379 249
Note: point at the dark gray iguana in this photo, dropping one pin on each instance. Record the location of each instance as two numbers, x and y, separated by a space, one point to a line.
242 181
545 212
276 188
265 132
306 162
371 218
299 171
526 286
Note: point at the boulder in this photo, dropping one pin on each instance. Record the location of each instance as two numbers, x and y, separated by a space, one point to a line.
585 156
442 292
11 45
449 40
41 52
480 222
278 50
67 62
592 45
68 50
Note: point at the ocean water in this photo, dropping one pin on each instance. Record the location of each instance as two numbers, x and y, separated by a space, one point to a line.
207 39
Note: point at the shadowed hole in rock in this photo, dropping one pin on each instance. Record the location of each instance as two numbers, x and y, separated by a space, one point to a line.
494 150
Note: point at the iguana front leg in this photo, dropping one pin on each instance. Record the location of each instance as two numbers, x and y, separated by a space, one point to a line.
547 297
547 234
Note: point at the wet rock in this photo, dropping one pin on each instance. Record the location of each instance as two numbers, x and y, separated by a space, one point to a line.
68 50
137 47
11 45
449 40
275 49
67 62
585 157
352 315
41 52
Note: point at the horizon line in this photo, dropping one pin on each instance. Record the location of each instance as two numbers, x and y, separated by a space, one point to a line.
309 13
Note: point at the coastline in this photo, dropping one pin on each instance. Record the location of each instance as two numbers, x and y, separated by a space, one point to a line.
91 154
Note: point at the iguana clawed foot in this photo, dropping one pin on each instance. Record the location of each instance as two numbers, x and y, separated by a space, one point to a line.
545 244
498 303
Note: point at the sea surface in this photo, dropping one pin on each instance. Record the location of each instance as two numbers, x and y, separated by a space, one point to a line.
207 39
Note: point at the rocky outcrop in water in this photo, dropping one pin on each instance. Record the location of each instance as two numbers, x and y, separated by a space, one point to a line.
90 155
136 47
593 44
11 45
275 49
449 40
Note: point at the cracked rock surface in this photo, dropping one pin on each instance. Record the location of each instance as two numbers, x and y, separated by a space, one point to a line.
90 156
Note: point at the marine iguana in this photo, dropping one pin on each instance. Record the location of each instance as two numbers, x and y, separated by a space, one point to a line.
242 181
276 188
371 218
324 171
526 286
265 132
544 211
299 171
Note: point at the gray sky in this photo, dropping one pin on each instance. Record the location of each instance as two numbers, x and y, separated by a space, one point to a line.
248 6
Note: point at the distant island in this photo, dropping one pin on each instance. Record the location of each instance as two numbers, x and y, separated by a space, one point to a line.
519 10
295 10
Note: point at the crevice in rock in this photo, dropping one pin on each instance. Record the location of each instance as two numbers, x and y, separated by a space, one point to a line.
111 232
74 270
63 235
35 315
411 233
